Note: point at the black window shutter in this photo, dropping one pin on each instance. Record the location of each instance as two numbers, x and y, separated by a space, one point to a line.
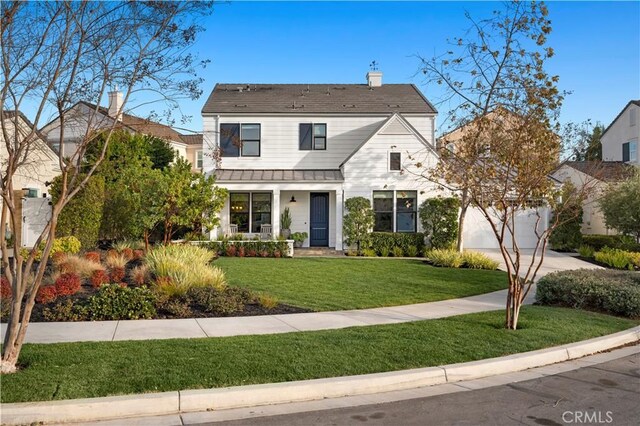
625 152
305 136
230 140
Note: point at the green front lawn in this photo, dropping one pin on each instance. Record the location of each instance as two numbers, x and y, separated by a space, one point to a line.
327 284
82 370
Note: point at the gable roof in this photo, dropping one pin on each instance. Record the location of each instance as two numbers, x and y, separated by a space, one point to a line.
606 171
43 145
634 102
412 130
195 139
316 98
138 125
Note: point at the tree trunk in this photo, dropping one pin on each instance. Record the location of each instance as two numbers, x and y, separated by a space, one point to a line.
514 303
464 205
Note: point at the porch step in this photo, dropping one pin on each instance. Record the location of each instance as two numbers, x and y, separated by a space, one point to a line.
317 252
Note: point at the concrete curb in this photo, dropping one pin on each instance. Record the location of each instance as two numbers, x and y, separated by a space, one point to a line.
92 409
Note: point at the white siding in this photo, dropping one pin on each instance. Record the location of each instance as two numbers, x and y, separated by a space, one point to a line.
280 139
620 132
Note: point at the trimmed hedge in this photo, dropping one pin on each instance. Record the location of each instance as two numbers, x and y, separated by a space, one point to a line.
614 292
249 248
598 242
390 243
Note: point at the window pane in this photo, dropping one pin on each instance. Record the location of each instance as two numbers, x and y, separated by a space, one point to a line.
251 148
242 220
625 151
320 143
239 202
250 132
384 222
199 159
261 203
633 151
319 130
406 201
395 161
230 140
305 136
406 222
258 220
383 201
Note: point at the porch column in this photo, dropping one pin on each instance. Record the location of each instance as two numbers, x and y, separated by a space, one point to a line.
275 213
339 214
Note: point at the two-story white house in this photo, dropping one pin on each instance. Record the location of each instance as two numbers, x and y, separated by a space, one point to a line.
620 139
309 147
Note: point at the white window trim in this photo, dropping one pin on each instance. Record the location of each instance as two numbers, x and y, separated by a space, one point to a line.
395 208
389 161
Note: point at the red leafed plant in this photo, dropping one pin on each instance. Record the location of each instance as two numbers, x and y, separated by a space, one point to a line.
231 251
241 252
251 253
98 278
117 274
264 253
93 256
5 288
58 258
138 254
67 284
277 254
46 294
112 253
123 285
127 253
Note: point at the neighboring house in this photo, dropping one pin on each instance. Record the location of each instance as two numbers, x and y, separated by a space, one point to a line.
84 117
32 178
620 139
598 176
309 147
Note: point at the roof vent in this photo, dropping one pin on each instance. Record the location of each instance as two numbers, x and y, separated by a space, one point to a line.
348 106
240 106
393 105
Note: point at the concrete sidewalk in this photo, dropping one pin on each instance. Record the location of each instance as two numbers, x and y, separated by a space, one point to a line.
54 332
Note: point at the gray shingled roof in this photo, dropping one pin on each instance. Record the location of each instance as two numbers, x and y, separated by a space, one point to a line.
316 98
252 175
192 139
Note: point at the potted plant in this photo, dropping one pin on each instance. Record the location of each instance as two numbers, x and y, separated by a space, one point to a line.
285 223
298 238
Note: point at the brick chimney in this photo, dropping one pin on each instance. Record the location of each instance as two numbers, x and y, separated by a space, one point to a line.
374 78
115 104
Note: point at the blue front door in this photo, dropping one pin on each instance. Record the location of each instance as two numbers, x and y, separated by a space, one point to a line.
319 228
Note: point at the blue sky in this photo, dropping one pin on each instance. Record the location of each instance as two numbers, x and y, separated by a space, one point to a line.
597 47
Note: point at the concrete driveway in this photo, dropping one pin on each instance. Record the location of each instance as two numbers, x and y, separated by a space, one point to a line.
553 261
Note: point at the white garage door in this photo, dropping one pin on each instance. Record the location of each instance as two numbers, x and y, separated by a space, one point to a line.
479 235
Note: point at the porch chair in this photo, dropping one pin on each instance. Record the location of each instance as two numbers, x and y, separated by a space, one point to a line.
265 232
233 229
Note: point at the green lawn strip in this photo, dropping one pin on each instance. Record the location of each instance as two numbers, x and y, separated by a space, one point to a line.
326 284
80 370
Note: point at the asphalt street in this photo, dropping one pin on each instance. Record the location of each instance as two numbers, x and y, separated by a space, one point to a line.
607 393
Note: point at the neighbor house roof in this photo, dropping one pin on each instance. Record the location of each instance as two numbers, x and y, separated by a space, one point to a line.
634 102
287 175
607 171
192 139
317 99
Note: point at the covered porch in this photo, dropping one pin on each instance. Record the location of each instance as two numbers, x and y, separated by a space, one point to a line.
254 209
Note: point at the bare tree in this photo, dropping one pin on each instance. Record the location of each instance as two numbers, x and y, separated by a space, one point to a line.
508 106
54 54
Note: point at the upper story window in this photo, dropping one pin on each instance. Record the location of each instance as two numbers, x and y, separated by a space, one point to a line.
313 136
239 140
395 161
199 159
630 151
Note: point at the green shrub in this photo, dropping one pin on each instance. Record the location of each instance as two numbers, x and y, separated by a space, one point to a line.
257 246
439 218
614 292
177 307
267 302
358 222
598 242
113 302
412 251
397 252
566 236
65 310
224 303
475 260
447 258
82 216
586 251
617 258
178 268
368 253
68 245
384 243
